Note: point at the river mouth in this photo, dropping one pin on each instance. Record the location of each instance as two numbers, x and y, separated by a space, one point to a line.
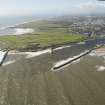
29 80
15 31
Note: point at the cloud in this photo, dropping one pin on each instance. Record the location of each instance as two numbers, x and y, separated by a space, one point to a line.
13 12
91 7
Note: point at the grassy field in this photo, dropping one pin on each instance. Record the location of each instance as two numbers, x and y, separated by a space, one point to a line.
44 39
46 33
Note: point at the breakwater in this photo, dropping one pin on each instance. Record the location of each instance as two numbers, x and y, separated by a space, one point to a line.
70 60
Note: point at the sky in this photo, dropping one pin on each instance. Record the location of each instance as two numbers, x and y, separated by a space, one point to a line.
47 7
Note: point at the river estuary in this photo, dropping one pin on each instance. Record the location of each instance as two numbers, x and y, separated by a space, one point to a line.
31 81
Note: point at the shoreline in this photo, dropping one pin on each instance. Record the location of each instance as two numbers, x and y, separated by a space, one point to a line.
25 22
56 47
16 30
36 47
14 25
53 47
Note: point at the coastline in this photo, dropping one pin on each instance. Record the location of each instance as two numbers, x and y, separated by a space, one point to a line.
15 30
14 25
17 26
58 47
34 46
52 46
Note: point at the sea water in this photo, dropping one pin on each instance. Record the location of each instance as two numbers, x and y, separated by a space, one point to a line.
7 24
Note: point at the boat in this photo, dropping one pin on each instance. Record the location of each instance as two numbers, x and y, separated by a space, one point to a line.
3 55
